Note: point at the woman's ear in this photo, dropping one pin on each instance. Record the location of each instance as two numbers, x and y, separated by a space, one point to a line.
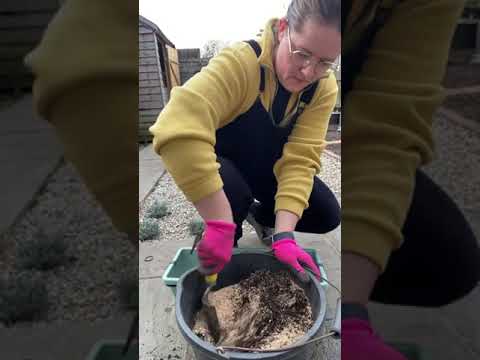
282 28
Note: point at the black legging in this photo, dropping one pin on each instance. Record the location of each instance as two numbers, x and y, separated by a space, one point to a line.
439 261
321 216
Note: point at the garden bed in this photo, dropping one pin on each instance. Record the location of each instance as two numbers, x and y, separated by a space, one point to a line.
79 266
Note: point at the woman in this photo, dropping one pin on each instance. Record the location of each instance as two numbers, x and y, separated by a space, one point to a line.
403 238
89 93
252 125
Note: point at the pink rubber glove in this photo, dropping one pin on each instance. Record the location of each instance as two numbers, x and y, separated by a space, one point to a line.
359 342
215 248
288 252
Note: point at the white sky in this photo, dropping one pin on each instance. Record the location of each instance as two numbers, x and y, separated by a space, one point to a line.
191 23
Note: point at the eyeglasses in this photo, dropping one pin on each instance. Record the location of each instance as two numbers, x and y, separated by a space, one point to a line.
303 59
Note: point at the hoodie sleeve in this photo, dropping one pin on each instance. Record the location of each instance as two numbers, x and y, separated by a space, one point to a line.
387 132
87 40
86 85
300 160
184 133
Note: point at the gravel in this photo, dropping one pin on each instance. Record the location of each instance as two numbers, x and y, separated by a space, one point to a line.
456 164
177 226
334 136
87 287
331 174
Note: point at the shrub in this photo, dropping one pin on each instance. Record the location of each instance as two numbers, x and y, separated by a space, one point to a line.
158 210
44 251
23 297
196 227
148 229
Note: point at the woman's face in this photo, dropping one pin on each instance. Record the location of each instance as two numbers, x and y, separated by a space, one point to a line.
322 42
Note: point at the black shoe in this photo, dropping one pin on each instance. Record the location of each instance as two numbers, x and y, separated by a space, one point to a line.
264 233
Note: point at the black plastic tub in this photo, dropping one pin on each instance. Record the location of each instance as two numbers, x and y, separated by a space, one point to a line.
191 287
112 350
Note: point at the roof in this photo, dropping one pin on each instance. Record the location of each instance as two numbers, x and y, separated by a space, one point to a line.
156 30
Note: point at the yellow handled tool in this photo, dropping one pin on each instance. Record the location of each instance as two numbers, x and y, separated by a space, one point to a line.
211 312
211 279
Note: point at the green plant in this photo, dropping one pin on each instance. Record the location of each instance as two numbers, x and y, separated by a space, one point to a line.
148 229
158 210
196 227
43 251
23 297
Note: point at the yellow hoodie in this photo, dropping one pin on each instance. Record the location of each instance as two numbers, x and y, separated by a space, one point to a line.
184 133
86 85
387 132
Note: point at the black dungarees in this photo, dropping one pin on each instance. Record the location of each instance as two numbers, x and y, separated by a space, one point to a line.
247 150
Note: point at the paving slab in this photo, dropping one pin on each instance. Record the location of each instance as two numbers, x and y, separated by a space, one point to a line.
29 153
72 340
158 329
427 328
150 171
159 334
455 117
463 90
463 318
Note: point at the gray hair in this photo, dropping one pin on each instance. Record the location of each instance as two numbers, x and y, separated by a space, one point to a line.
328 12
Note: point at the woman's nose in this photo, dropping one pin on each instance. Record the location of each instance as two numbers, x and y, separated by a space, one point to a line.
308 72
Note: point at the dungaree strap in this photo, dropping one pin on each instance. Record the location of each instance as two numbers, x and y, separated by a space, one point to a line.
307 96
258 50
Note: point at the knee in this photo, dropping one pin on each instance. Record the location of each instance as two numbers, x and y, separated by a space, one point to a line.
334 219
450 295
327 209
468 280
333 216
327 220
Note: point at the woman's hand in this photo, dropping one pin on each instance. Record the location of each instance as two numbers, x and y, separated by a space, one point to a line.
359 275
359 342
215 248
288 252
